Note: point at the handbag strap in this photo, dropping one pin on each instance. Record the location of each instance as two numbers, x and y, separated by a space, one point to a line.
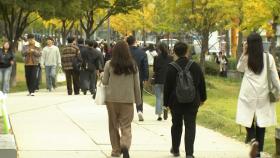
268 72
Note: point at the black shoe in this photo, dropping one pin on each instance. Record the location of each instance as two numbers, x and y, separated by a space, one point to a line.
254 149
85 92
93 95
159 119
125 153
175 154
165 114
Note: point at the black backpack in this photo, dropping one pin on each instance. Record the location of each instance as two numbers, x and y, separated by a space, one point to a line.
185 89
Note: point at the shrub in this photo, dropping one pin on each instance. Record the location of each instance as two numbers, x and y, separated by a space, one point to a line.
211 68
232 63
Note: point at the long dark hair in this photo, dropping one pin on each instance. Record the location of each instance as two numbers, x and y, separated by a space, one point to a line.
122 61
255 53
9 49
162 49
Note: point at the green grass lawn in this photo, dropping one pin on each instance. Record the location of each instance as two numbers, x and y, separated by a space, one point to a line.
218 113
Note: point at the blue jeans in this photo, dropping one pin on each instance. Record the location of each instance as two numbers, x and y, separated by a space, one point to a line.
5 75
159 98
51 77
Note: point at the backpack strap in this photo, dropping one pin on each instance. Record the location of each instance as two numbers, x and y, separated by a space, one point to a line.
176 66
189 64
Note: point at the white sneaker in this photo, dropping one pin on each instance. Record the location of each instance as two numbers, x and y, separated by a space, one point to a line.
32 94
140 116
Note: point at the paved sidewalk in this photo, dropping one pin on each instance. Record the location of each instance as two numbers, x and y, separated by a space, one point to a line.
54 125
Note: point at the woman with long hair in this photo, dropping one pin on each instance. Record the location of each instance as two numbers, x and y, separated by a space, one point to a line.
6 62
121 77
160 68
255 111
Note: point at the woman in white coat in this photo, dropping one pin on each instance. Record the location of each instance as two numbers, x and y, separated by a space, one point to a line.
254 110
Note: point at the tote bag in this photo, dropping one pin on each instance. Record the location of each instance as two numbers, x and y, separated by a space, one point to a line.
100 94
273 91
60 77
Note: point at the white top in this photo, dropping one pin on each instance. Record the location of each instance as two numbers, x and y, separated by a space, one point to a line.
151 55
253 100
51 56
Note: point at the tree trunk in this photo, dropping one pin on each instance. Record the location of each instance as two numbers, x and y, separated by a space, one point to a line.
204 49
227 43
274 36
144 37
239 45
65 29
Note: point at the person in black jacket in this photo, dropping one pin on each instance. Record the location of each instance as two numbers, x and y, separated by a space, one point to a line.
6 62
160 66
186 112
90 67
142 62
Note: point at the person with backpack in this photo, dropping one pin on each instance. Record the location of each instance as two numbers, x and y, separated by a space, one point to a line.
160 66
151 54
71 63
91 68
184 93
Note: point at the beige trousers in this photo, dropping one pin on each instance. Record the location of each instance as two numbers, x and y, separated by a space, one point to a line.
120 118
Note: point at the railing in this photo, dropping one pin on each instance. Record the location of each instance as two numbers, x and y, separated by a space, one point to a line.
4 113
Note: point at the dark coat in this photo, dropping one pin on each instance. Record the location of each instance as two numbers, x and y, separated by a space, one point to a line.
101 60
170 98
5 59
160 68
142 61
92 61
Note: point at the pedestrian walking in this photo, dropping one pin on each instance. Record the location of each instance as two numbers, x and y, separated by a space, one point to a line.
71 64
100 54
142 62
160 66
254 109
151 54
84 79
108 53
90 67
51 60
123 90
223 63
184 93
32 55
6 62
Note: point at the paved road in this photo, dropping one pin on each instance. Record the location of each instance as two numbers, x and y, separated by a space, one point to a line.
54 125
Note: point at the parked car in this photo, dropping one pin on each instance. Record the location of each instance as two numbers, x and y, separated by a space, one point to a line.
170 42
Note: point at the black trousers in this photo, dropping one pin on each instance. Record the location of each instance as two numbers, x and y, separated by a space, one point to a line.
93 82
38 77
189 119
72 77
31 77
258 133
139 107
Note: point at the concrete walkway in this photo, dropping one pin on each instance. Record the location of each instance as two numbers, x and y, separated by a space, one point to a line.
54 125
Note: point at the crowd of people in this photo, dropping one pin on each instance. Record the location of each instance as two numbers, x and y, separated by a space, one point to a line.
178 82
